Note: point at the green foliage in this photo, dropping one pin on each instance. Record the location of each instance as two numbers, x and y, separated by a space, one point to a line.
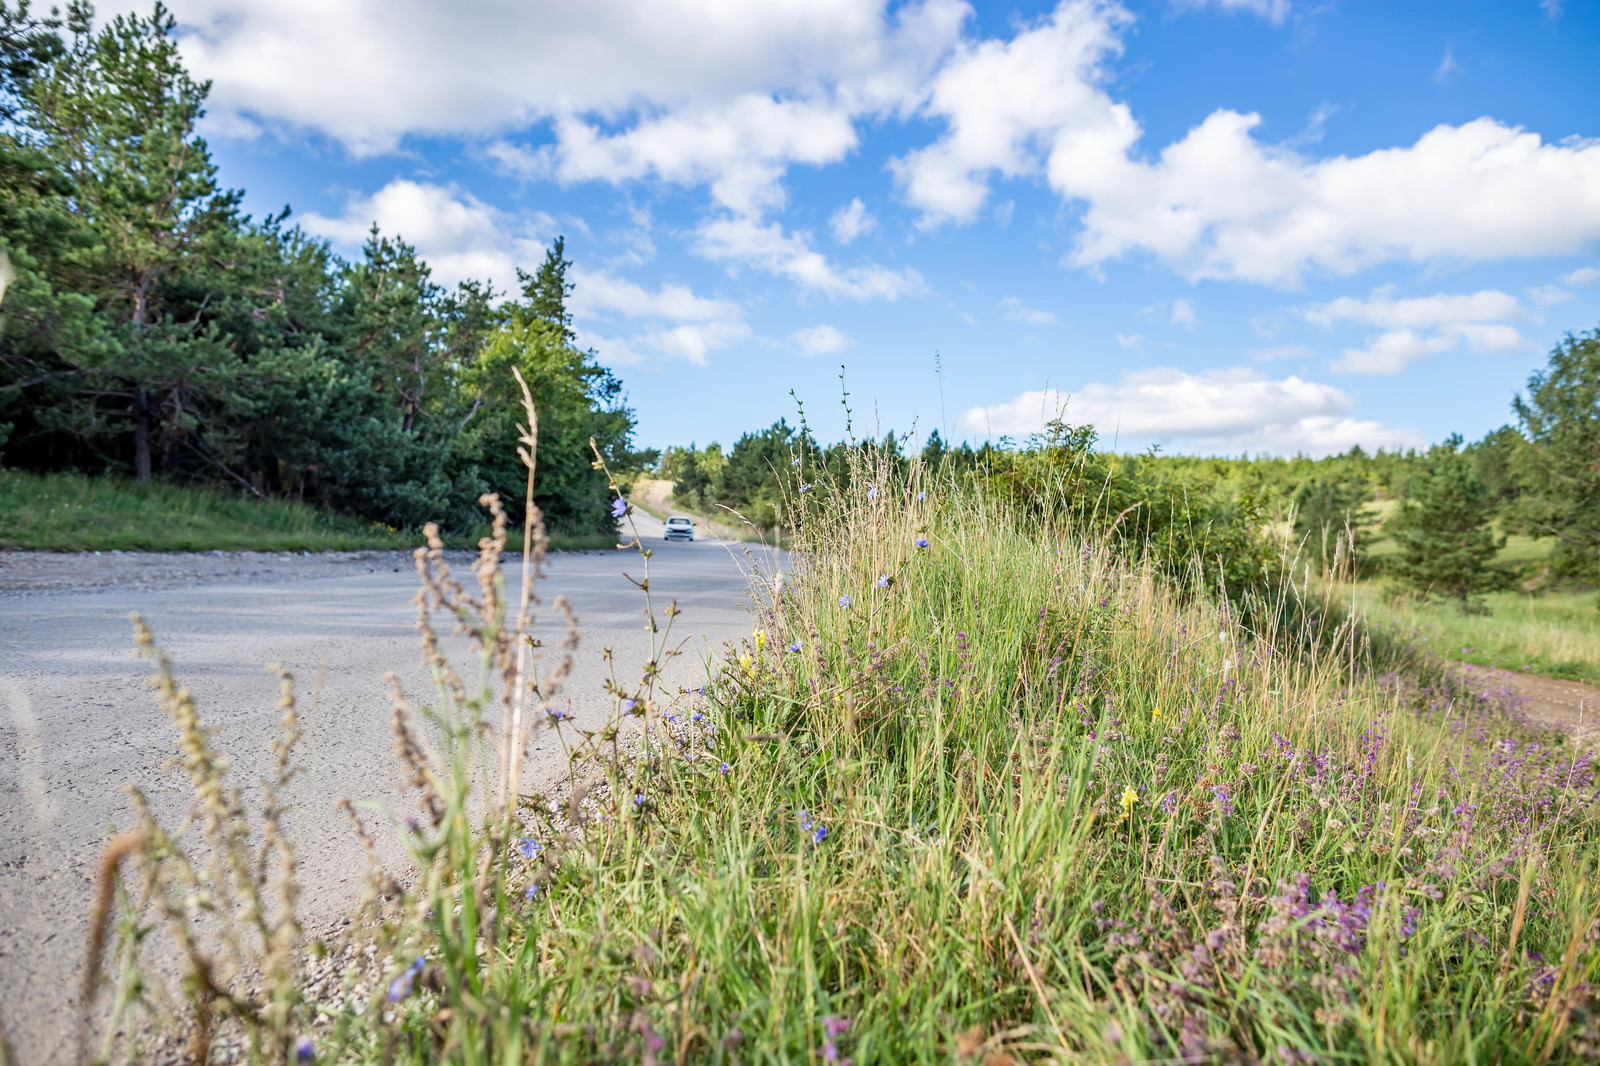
1329 511
1443 532
1560 418
152 330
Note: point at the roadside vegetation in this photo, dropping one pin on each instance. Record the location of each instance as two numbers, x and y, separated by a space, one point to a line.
983 786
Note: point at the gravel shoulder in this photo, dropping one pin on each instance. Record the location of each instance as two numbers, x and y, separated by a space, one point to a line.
1571 707
79 726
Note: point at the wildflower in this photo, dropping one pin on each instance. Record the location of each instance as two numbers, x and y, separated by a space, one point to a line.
400 987
805 819
744 662
921 542
696 716
844 601
820 835
1156 713
554 714
619 507
795 646
638 800
527 847
761 639
922 495
725 769
804 487
795 461
1129 798
905 436
304 1049
832 1029
872 494
883 581
628 706
531 891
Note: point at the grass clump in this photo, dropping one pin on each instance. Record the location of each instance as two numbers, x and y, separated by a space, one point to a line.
976 791
75 512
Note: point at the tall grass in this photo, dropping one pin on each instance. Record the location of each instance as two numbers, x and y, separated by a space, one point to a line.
976 791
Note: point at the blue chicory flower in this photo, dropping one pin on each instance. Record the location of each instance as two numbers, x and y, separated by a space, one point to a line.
400 987
619 507
795 646
883 581
726 768
304 1050
527 847
804 487
921 542
922 495
872 494
805 819
820 835
844 601
638 800
532 890
628 706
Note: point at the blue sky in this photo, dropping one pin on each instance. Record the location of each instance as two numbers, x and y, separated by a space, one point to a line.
1214 225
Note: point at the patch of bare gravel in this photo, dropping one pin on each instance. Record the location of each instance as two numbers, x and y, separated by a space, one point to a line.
1568 706
40 571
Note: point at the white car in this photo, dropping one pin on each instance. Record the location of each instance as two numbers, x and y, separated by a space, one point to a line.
679 527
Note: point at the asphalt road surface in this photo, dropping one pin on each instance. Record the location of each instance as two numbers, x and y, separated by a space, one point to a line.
78 723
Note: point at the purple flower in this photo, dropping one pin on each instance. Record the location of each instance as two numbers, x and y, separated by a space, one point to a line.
628 706
922 495
820 835
905 436
638 800
795 646
844 601
872 494
304 1049
725 769
795 461
619 507
804 487
554 714
921 542
805 819
532 890
883 581
400 987
527 847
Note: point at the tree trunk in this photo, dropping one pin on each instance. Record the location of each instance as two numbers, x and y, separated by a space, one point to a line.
141 435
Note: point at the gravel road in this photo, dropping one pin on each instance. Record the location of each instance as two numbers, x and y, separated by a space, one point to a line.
80 724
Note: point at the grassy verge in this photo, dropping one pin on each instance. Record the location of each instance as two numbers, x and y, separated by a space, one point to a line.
1551 634
73 512
978 793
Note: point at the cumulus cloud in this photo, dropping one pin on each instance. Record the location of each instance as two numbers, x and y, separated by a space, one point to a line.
732 96
851 221
1017 311
1219 202
1183 314
742 240
670 321
459 235
819 340
1582 276
1226 411
1420 327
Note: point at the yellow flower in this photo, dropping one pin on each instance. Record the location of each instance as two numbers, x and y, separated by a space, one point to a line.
1156 713
1129 798
761 639
744 662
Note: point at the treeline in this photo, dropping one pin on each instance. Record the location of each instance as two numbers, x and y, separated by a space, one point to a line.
1539 477
152 329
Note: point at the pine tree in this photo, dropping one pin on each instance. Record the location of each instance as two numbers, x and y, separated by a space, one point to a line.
1560 473
1444 534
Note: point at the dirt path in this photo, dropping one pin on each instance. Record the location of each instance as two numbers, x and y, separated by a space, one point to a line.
1569 706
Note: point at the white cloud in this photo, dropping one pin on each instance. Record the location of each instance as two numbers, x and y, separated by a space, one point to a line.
1582 276
1219 203
1286 351
1274 11
1183 313
678 324
819 340
1226 411
851 221
460 236
1129 340
1420 327
737 239
1017 311
1548 295
1448 67
1551 8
